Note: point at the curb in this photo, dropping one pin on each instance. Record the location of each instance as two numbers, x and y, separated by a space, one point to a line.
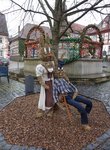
5 146
99 141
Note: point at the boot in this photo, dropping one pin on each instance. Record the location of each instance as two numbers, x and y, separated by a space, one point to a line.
50 113
55 107
39 113
86 127
61 106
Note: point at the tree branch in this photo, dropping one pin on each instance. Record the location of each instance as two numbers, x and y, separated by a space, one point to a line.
75 6
49 20
11 11
25 10
80 17
42 22
70 26
85 9
50 8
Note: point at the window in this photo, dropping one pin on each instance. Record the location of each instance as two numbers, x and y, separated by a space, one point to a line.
0 39
109 47
104 25
1 53
109 36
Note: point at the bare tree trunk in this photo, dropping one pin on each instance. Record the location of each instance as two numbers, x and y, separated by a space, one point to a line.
56 34
55 41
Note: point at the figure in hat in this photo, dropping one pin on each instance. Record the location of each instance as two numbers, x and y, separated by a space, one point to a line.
44 73
63 87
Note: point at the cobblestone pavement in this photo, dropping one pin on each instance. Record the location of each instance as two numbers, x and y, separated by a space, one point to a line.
8 92
97 91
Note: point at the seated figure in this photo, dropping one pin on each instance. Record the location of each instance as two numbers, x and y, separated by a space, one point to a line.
62 86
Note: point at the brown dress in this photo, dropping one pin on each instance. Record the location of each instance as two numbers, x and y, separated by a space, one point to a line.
49 102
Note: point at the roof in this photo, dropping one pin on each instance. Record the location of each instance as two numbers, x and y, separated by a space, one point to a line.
103 26
106 20
3 25
24 31
77 27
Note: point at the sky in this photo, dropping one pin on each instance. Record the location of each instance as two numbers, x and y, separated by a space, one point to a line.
14 19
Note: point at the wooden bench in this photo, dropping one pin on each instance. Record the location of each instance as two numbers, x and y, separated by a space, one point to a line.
68 109
4 72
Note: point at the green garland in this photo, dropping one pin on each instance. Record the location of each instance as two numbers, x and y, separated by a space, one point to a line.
76 40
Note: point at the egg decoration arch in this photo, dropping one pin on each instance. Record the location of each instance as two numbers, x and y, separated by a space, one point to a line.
87 43
32 44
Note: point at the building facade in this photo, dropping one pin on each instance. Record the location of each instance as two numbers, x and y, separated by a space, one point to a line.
4 42
17 43
104 26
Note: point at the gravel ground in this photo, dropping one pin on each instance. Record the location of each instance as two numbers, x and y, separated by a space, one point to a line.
19 125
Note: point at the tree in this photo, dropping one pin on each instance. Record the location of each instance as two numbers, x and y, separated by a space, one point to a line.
59 11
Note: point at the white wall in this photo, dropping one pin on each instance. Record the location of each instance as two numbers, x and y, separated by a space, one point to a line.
14 48
4 46
106 48
84 66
